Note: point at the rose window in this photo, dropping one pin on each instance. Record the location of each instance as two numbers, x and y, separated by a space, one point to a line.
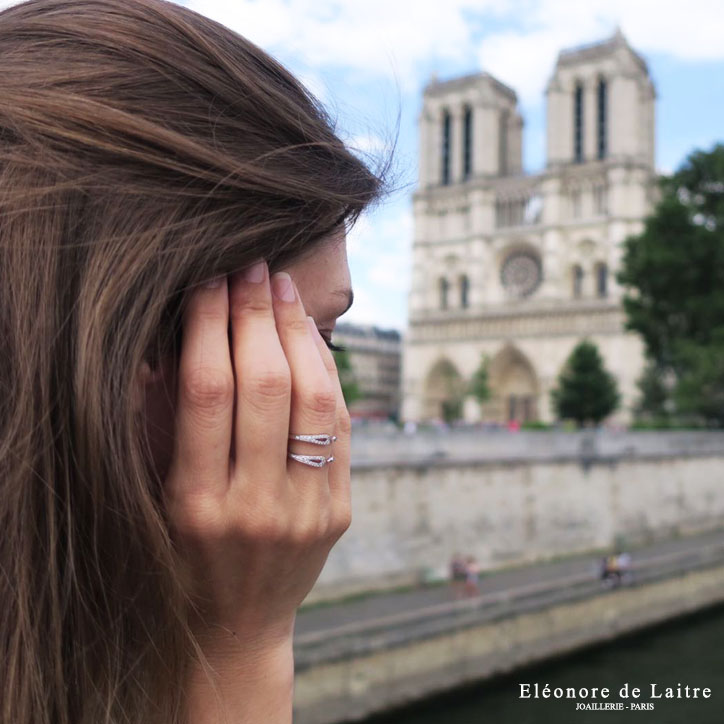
521 274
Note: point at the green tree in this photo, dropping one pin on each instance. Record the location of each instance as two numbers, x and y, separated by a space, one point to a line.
347 380
452 409
654 400
479 383
674 274
586 392
700 389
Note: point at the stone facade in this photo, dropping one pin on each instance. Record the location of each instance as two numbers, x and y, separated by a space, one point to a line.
374 355
520 268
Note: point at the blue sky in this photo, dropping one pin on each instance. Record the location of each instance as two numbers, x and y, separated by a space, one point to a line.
368 61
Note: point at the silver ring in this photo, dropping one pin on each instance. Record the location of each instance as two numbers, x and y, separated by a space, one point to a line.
321 439
315 461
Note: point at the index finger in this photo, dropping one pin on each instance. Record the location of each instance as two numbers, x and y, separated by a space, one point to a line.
202 436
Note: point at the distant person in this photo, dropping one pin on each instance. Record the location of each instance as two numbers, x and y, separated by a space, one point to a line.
458 575
472 572
611 573
603 568
624 566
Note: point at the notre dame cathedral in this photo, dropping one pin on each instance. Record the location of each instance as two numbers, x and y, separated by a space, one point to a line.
520 268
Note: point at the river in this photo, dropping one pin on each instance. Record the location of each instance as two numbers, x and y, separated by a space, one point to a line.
687 651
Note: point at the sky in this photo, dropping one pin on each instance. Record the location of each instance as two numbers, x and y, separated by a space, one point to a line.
368 61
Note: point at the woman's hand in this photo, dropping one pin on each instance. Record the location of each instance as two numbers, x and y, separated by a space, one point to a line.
254 527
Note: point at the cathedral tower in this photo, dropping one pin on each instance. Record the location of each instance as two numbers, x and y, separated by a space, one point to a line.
519 268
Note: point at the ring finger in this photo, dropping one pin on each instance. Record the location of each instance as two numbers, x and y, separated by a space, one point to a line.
314 402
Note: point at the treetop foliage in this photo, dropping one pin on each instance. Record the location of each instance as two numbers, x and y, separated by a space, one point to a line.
586 391
674 275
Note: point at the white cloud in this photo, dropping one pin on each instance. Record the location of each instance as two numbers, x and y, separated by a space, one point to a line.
524 55
404 39
373 37
524 60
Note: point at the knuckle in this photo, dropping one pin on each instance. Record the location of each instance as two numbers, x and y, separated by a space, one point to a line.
345 518
207 387
340 521
272 384
304 534
344 422
249 306
209 314
197 520
264 529
298 326
322 402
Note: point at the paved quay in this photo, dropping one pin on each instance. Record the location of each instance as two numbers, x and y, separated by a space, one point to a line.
371 607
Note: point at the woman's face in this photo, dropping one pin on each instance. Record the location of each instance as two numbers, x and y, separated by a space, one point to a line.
324 285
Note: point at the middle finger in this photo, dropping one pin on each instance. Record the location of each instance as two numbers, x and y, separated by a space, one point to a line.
263 380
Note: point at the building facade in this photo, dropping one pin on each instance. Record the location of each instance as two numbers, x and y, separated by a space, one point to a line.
517 268
374 356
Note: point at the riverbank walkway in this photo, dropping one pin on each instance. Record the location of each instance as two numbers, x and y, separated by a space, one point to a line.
366 610
375 652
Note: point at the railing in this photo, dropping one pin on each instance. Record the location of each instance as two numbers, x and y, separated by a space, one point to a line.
374 446
522 210
367 636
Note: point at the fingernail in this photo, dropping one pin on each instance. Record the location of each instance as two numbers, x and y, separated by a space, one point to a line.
214 283
282 287
255 273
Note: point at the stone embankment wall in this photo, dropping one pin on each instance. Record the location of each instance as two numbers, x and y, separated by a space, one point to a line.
341 687
514 498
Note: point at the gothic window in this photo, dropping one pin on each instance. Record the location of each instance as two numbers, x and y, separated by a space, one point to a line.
503 143
514 212
512 408
464 291
467 142
577 281
601 280
600 200
520 408
578 123
521 273
576 204
443 287
446 145
602 113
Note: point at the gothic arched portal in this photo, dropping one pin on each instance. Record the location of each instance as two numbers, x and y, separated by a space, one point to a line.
514 387
444 392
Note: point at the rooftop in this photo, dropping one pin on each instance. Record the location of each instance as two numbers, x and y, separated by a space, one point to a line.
591 51
366 330
436 86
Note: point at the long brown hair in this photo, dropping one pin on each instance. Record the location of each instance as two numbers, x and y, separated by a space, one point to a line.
143 149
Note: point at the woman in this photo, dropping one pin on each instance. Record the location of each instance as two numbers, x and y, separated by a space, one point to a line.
173 207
